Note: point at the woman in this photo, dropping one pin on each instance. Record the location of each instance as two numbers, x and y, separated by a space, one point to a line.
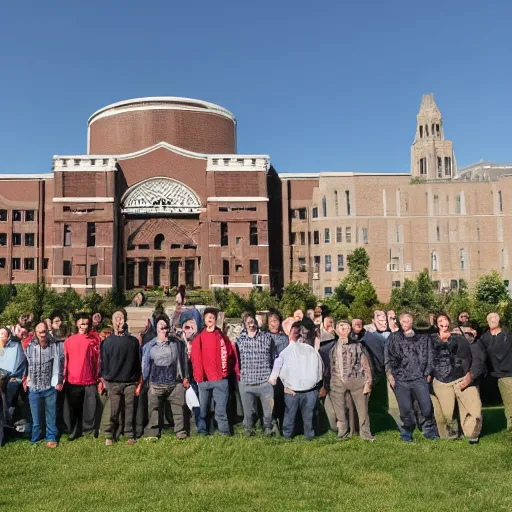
457 365
347 371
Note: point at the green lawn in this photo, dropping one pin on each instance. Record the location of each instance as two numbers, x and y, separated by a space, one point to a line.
224 474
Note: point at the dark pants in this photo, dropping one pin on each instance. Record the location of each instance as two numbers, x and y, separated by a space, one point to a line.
220 391
174 395
82 401
306 402
408 391
116 392
50 407
249 396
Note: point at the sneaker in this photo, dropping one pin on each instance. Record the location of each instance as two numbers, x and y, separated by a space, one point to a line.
51 444
109 442
130 442
181 435
21 425
269 432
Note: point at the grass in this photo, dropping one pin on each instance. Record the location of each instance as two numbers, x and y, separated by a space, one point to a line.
258 474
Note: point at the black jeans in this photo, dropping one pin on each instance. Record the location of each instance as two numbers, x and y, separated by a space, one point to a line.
82 401
406 392
116 392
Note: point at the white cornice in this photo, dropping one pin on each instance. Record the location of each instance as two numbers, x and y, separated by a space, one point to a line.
164 145
236 199
46 176
83 200
299 175
238 163
166 103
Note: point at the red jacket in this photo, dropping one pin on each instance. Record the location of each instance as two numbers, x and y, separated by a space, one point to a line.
213 357
81 359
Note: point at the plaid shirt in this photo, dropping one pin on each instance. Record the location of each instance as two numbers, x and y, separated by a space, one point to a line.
256 355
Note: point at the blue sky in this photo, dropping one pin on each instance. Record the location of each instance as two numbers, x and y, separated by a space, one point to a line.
320 86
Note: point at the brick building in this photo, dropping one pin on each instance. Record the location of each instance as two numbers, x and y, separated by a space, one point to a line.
163 198
160 198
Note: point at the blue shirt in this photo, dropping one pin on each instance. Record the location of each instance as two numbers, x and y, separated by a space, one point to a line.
12 359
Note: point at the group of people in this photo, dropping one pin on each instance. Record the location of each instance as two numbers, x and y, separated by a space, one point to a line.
187 371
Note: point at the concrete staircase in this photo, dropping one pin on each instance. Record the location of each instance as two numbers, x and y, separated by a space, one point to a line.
138 318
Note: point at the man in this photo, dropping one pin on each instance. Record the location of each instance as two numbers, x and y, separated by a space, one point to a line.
81 367
256 354
276 333
497 347
327 330
454 373
120 371
357 331
44 379
300 368
392 323
464 327
408 362
347 372
13 365
165 369
214 359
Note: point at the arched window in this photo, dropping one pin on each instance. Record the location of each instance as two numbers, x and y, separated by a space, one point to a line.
159 240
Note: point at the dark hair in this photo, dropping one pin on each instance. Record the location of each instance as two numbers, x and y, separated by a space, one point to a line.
4 327
296 325
54 315
182 291
308 323
163 318
274 314
82 316
211 311
442 315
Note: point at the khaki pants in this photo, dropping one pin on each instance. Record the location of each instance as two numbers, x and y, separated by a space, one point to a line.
470 409
505 386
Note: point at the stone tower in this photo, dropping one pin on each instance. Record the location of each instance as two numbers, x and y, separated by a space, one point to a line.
431 155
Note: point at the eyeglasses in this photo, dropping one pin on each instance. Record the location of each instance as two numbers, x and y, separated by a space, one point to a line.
187 327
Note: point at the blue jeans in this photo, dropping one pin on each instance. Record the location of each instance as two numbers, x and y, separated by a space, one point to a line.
249 395
406 392
50 405
220 391
306 402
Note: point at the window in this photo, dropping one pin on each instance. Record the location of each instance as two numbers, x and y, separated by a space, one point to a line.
302 213
394 263
426 130
3 215
438 131
327 263
439 167
347 199
30 216
293 238
316 237
316 263
91 236
438 234
348 235
253 233
339 235
395 284
302 264
314 212
500 201
398 237
454 284
364 235
29 239
45 263
3 238
436 205
422 165
327 236
324 206
336 210
16 263
447 166
28 264
254 266
224 233
433 262
477 231
421 132
302 238
173 246
16 215
238 239
67 235
93 270
2 262
458 207
16 239
239 268
67 268
328 290
462 259
223 209
159 239
341 263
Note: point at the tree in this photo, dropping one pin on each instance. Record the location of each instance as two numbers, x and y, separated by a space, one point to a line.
296 296
262 300
491 289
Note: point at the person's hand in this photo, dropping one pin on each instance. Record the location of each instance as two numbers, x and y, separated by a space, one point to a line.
322 392
272 381
391 381
429 378
367 388
58 387
101 386
466 381
289 391
138 388
186 383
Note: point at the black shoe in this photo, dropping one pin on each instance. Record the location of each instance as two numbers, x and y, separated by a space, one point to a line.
73 437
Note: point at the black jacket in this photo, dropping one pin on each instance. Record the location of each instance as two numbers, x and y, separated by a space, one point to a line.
375 344
120 359
408 358
498 349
